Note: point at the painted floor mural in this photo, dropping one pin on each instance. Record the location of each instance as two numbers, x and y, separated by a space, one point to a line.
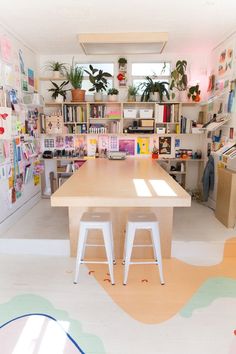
43 312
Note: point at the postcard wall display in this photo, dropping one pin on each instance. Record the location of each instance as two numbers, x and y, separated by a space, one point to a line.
103 142
69 142
128 146
31 78
113 144
166 146
92 146
143 146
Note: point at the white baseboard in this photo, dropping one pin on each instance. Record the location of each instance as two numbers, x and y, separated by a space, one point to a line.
11 219
35 247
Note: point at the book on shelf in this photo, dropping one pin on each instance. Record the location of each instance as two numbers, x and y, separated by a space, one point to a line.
185 125
97 111
167 113
73 113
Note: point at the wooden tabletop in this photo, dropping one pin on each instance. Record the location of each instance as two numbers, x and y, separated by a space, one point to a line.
133 182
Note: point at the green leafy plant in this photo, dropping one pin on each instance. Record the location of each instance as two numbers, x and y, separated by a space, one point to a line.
98 79
113 91
59 89
179 79
133 90
122 61
56 66
75 75
194 93
150 86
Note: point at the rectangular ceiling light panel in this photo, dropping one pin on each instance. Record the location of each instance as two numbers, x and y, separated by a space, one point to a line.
123 43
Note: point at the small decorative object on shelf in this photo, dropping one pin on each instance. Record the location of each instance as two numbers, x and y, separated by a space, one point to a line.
59 91
155 152
113 94
58 69
75 76
179 79
122 76
98 79
194 93
132 93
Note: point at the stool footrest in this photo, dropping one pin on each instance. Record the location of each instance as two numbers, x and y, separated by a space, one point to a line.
143 245
94 262
143 262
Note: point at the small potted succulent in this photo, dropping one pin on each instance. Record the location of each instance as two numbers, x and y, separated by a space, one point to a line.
154 91
75 75
98 79
194 93
59 91
112 94
58 69
179 79
132 93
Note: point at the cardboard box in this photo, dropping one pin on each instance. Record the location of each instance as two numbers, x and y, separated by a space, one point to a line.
147 123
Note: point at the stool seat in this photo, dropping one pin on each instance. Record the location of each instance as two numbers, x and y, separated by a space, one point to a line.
147 221
95 221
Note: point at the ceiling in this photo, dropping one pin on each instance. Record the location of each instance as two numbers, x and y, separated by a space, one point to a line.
52 26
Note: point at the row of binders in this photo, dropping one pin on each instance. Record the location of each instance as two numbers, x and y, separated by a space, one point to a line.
167 113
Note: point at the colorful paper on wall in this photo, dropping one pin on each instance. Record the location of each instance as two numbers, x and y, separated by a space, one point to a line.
8 75
31 77
59 142
143 146
92 146
103 142
113 143
5 123
6 49
127 145
69 142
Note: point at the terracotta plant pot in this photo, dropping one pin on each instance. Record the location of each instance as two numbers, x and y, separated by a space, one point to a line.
78 95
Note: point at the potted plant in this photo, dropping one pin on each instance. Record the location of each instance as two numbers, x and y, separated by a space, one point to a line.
58 91
58 69
75 76
179 79
112 94
122 64
154 90
132 92
98 79
194 93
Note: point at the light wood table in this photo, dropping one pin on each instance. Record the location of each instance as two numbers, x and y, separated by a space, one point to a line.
119 186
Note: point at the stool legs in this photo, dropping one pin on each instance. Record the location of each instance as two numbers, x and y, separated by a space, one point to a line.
109 251
129 240
157 250
81 250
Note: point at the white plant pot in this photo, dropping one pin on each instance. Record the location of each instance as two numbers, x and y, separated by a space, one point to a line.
183 97
56 74
112 98
98 96
59 99
154 97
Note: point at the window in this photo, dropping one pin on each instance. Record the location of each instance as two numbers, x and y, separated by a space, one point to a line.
160 70
108 67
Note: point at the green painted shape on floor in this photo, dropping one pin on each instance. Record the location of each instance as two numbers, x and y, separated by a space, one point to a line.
212 289
28 303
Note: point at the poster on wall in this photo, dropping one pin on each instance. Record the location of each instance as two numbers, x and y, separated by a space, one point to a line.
166 146
31 77
8 75
24 83
6 49
143 146
22 63
127 145
5 123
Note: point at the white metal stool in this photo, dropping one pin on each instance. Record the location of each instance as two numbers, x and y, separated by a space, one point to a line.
147 221
95 221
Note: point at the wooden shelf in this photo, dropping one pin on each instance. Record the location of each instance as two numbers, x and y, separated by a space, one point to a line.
53 104
95 119
49 78
177 173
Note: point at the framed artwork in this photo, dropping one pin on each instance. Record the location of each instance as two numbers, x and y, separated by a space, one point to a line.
166 146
